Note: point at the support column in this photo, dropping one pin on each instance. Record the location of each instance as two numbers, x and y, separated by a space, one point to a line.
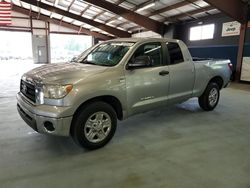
240 52
48 42
31 25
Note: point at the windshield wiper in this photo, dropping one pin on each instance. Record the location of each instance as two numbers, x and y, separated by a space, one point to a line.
88 62
92 63
74 60
106 65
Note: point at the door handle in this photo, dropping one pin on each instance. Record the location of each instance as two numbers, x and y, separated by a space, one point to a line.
163 73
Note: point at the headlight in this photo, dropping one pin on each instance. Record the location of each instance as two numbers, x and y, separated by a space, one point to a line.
56 91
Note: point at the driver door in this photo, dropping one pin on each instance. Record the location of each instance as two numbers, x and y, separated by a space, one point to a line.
147 87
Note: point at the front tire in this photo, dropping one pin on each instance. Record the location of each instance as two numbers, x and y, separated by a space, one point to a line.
94 125
210 98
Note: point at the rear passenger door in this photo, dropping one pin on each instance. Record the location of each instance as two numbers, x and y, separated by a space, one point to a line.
181 72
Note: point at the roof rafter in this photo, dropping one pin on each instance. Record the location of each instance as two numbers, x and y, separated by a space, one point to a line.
85 9
59 22
99 14
134 9
171 7
70 5
109 29
165 9
144 21
235 9
182 15
189 13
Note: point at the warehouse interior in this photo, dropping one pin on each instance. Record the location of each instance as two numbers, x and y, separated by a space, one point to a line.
177 146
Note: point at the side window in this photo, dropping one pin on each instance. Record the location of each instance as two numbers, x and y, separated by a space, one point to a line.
175 53
153 51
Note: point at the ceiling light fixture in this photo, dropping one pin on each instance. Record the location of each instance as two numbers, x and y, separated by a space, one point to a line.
146 7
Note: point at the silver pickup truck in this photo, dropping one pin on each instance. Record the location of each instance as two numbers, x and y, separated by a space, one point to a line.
115 80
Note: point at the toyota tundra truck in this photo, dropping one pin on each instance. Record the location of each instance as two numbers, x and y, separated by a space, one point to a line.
112 81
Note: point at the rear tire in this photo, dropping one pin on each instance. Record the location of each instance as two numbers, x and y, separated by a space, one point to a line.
210 98
94 125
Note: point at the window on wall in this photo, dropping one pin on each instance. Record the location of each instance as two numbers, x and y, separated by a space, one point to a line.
202 32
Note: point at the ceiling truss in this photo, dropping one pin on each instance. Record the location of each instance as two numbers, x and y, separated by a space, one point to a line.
119 18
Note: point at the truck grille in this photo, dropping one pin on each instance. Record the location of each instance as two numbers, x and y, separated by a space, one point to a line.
28 90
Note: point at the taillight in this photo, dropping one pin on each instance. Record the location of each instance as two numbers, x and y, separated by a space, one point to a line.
230 65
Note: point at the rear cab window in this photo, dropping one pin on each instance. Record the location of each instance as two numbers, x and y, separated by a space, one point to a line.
174 53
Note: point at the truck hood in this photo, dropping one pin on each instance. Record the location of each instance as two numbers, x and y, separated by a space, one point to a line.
63 73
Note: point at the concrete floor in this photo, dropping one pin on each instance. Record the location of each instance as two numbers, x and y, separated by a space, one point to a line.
180 146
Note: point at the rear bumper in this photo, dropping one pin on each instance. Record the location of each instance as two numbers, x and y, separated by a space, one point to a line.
52 123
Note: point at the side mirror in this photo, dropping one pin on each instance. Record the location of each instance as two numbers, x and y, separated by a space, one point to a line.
140 62
73 59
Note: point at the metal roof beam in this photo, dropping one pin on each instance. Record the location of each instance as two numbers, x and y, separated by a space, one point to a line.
182 15
189 13
70 5
109 29
141 20
60 22
235 9
84 10
171 7
165 9
99 14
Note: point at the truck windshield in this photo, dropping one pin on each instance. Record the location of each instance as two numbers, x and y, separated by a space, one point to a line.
107 54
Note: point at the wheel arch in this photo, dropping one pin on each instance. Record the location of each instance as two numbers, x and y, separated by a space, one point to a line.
218 80
111 100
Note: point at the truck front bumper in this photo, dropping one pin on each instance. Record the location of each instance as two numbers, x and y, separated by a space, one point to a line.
44 118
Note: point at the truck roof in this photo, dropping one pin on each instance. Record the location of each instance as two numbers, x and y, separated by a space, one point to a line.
144 40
